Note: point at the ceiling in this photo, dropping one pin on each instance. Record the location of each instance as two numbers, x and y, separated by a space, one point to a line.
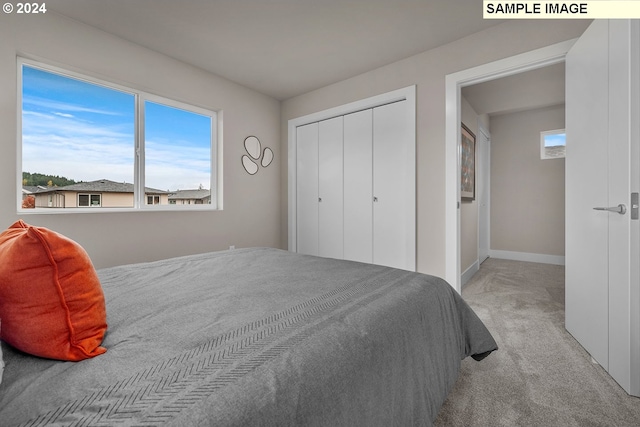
282 48
542 87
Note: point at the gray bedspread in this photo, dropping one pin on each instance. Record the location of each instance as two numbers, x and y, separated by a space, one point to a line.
256 337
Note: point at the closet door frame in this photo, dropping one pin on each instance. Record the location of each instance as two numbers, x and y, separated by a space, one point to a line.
405 94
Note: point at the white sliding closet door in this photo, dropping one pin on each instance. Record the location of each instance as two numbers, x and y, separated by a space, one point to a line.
393 186
352 181
307 189
330 185
358 186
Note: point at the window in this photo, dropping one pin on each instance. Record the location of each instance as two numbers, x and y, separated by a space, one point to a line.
89 200
110 146
177 148
552 144
153 200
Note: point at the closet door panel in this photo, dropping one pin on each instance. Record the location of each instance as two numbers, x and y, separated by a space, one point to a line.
307 189
358 186
330 186
393 187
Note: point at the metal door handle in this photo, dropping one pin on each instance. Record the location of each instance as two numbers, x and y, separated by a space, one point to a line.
621 209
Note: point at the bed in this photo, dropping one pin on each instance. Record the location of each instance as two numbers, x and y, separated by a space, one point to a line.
256 336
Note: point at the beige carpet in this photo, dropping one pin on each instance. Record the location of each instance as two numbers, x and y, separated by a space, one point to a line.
540 376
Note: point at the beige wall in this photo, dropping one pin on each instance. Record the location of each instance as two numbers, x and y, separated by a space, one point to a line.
469 208
251 215
527 193
114 200
427 70
255 207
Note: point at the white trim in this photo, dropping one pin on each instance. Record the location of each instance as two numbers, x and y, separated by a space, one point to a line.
408 93
469 272
453 83
634 294
18 159
487 189
527 257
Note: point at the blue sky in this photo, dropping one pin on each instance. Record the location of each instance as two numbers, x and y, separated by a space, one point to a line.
177 148
554 140
85 132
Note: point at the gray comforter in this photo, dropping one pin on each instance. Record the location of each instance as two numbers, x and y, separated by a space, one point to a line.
256 337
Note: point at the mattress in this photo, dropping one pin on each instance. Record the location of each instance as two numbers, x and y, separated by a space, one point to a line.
252 337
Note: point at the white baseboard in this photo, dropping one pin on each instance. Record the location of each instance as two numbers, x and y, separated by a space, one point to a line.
524 256
469 272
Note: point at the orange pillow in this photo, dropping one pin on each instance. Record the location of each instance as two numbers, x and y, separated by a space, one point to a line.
51 300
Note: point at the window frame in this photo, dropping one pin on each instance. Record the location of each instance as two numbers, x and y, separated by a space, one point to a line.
543 152
140 98
153 198
90 198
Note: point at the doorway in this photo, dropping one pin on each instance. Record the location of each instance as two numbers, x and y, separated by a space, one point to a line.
528 197
539 58
616 42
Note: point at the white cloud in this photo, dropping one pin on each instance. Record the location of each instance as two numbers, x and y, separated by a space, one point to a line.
178 167
62 144
50 105
66 146
64 115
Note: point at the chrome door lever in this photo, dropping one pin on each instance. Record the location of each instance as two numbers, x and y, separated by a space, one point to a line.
621 209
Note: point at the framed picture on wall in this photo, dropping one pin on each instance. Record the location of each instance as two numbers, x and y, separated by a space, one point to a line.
468 164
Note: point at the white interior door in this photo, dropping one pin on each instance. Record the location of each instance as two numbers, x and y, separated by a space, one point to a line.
358 186
307 189
330 188
599 164
586 245
393 187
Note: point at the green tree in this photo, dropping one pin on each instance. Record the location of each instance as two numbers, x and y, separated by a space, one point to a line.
45 180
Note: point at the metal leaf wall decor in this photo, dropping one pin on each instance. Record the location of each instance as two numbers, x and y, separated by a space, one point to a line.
255 155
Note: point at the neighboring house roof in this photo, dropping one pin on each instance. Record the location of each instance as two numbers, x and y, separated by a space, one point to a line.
31 189
189 194
102 186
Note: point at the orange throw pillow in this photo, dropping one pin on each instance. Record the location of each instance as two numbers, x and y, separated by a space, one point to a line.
51 300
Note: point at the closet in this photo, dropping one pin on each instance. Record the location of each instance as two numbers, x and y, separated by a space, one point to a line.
355 185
